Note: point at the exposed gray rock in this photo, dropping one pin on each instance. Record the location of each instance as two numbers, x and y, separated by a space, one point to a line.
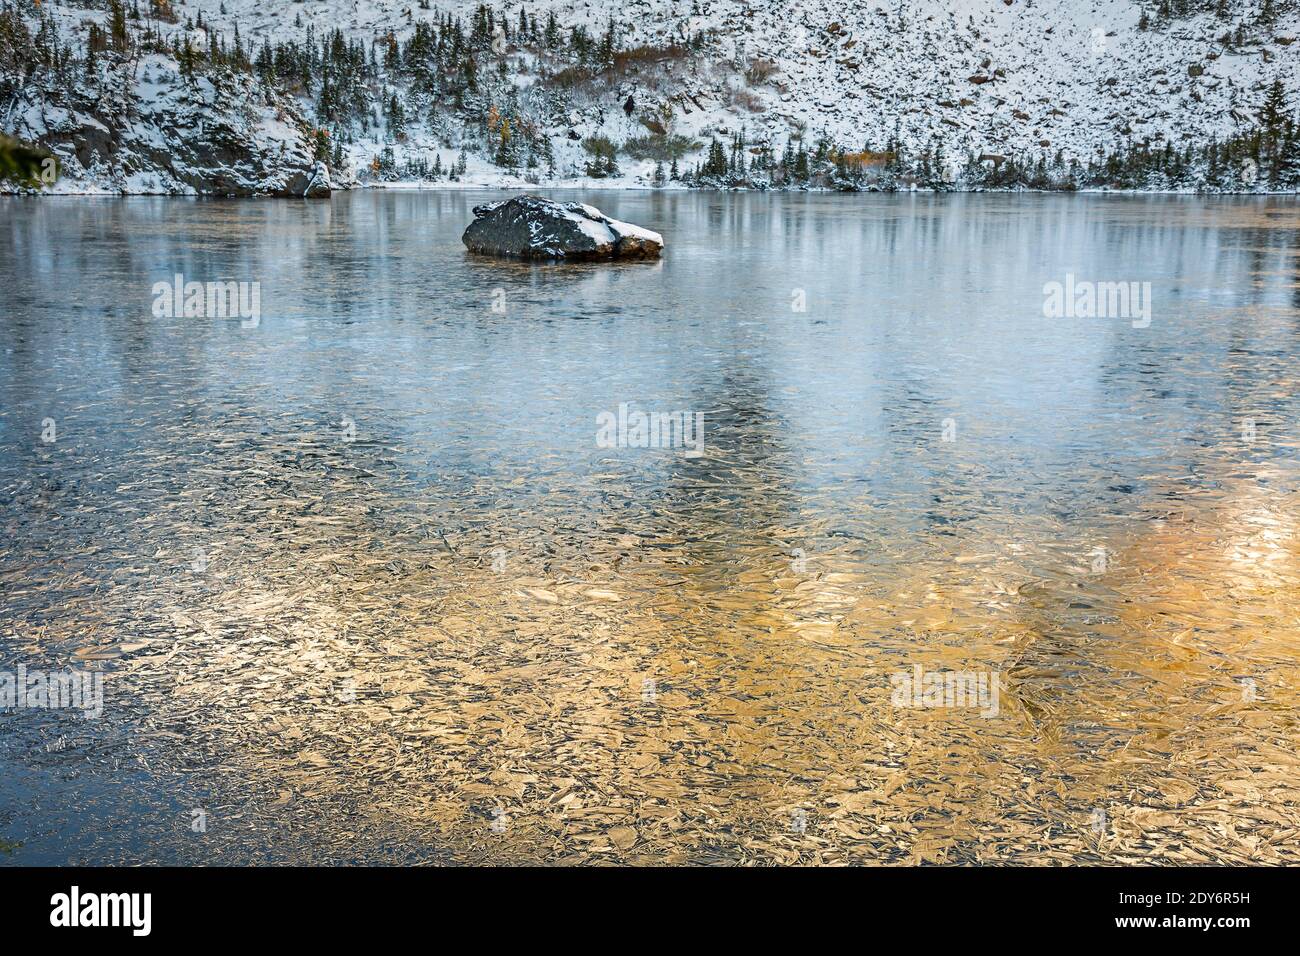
530 227
319 182
160 131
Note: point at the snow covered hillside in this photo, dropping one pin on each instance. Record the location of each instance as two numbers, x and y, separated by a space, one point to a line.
143 123
953 79
1000 76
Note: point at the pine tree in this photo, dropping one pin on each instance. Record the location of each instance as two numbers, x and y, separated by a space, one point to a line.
801 170
1288 165
117 29
716 163
608 44
1273 116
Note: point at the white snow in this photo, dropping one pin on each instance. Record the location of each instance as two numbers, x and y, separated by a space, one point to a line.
877 71
627 229
598 231
1073 75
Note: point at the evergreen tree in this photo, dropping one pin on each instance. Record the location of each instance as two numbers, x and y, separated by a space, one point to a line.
608 44
117 27
1273 116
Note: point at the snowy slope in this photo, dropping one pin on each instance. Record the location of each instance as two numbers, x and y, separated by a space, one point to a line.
172 137
147 129
1074 74
981 76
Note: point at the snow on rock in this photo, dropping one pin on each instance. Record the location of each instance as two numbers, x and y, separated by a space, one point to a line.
530 227
150 129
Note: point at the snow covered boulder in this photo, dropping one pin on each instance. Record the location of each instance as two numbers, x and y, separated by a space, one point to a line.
530 227
320 182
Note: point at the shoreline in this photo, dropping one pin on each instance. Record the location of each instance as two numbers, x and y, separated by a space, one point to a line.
601 186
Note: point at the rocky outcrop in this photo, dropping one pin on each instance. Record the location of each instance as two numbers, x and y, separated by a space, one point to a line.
312 184
530 227
157 130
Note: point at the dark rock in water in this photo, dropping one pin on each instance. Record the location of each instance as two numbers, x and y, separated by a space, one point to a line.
530 227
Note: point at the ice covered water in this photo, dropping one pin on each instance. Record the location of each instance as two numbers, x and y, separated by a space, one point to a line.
364 584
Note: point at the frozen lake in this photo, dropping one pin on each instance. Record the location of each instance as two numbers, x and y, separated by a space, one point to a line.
365 579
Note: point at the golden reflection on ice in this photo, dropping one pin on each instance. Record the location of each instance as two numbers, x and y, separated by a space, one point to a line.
420 690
